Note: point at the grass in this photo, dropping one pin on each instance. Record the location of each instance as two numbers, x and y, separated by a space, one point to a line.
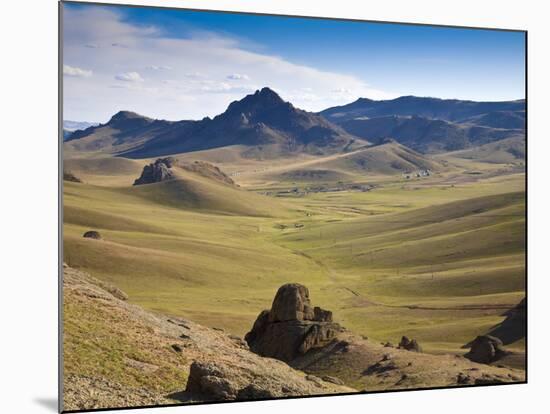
434 258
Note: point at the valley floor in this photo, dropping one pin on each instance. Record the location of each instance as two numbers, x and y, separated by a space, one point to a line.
439 258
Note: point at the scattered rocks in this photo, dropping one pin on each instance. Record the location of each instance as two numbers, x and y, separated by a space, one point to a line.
486 349
333 380
380 367
92 234
292 327
177 348
409 344
486 379
388 345
463 378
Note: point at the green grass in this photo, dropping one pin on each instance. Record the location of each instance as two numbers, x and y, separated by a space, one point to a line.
217 254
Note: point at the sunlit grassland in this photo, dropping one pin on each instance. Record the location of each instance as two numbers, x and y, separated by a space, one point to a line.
424 258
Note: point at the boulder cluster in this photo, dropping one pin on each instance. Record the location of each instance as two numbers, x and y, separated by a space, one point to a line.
409 344
292 326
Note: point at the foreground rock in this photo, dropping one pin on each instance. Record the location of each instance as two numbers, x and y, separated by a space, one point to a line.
486 349
292 326
179 360
216 381
157 172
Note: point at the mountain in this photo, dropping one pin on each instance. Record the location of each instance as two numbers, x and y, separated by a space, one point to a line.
430 135
499 119
75 125
262 121
124 131
446 109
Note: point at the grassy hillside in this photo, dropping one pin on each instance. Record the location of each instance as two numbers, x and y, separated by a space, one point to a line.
438 258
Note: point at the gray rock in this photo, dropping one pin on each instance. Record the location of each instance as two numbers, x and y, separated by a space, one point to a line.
157 172
292 327
486 349
92 234
291 303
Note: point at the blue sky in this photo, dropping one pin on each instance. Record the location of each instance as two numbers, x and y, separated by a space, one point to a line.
179 64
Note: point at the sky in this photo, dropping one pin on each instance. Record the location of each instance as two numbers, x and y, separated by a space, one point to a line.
179 64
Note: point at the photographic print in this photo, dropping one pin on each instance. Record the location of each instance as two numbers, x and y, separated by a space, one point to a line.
260 207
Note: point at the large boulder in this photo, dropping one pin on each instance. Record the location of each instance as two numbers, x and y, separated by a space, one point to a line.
157 172
486 349
292 326
291 303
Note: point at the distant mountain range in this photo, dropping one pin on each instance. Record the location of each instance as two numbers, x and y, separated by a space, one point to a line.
268 127
431 124
70 126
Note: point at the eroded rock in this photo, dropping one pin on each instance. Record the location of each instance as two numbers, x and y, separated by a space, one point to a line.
292 327
156 172
486 349
409 344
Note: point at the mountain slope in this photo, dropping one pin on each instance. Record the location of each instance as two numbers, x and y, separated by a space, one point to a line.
446 109
425 134
262 121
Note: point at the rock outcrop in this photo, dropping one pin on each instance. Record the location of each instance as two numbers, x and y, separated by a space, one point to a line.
409 344
486 349
92 234
514 327
292 326
157 172
214 381
69 176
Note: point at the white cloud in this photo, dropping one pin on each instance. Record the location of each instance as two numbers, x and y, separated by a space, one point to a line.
129 77
237 76
156 67
207 72
76 72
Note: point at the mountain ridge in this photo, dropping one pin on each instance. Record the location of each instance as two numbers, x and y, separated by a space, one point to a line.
261 120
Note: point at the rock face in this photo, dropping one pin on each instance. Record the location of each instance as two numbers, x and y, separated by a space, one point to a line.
156 172
486 349
214 382
409 344
292 327
92 234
